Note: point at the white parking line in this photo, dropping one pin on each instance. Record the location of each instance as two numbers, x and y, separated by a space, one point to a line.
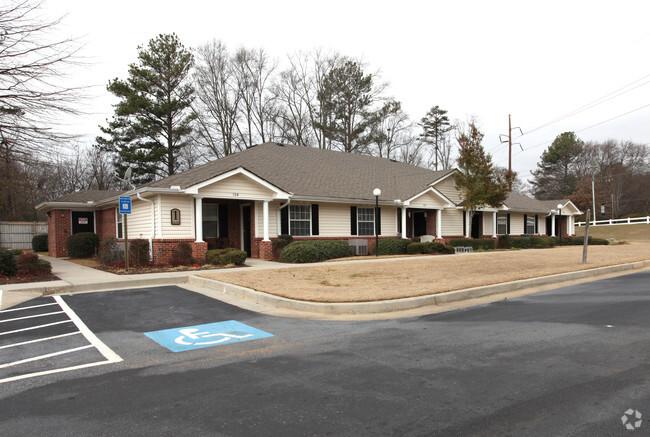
27 308
40 339
31 317
35 327
0 299
42 357
92 338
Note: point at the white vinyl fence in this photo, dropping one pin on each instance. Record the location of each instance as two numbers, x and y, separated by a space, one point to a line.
18 235
625 221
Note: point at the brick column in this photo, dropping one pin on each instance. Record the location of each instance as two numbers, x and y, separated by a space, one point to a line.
266 250
59 228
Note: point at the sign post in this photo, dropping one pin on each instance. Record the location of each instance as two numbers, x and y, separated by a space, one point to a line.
125 210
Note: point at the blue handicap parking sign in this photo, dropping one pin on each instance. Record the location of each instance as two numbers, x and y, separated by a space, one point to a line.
125 205
211 334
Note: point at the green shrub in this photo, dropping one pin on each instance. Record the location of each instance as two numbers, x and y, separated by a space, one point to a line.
429 248
315 250
16 252
82 245
392 246
579 241
475 243
281 242
7 262
229 255
39 243
109 252
182 255
138 252
29 264
505 242
236 257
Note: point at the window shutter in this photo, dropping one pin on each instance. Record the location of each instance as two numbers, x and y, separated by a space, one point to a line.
353 220
536 224
508 225
284 220
525 223
378 221
223 221
314 219
464 224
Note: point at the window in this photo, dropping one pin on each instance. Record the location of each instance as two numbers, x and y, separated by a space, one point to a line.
530 224
300 220
210 220
366 221
502 224
120 225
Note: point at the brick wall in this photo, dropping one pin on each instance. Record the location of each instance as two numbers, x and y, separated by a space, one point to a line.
431 222
59 227
105 223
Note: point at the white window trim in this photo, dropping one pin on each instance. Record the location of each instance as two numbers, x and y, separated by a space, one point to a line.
203 220
359 221
505 216
119 220
310 217
528 217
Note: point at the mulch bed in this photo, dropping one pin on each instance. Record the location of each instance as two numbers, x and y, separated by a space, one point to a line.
160 269
5 280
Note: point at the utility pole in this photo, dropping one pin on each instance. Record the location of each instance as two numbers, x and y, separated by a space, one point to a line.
593 192
510 129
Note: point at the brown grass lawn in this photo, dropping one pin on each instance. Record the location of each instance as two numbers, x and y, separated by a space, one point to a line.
637 232
407 277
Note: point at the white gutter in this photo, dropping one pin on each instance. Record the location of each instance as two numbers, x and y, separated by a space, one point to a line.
153 224
286 204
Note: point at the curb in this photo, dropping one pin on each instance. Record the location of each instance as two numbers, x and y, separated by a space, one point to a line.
409 303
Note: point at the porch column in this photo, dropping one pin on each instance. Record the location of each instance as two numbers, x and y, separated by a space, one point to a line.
265 213
552 225
494 224
439 224
569 225
468 231
198 210
404 222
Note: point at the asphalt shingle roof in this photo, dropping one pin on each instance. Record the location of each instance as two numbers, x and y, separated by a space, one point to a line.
306 171
84 196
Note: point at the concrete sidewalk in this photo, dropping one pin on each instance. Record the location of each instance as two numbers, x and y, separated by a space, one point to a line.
76 278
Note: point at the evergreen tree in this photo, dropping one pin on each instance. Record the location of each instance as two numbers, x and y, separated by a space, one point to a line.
346 107
153 120
555 177
435 127
480 184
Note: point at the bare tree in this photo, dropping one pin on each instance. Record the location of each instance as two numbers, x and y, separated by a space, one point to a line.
32 97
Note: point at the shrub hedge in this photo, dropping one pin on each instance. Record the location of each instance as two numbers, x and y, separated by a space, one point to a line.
229 255
109 252
29 264
7 262
578 241
39 243
429 248
138 252
182 255
475 243
392 246
82 245
281 242
534 242
315 250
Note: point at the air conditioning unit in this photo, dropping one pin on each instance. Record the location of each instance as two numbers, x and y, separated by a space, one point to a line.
360 246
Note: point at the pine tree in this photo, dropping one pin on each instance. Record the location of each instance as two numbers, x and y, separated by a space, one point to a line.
435 126
153 120
555 177
477 179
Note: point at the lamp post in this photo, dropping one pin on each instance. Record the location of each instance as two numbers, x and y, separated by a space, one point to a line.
559 208
376 192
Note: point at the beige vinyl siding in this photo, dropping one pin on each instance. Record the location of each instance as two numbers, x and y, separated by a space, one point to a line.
516 223
186 228
541 224
427 200
452 222
139 221
334 220
388 221
487 223
236 187
448 188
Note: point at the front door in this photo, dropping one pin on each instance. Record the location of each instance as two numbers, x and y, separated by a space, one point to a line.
419 223
246 228
83 221
476 225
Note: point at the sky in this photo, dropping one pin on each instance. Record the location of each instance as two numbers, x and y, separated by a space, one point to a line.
538 61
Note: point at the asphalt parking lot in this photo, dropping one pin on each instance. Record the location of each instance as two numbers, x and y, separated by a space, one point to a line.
572 361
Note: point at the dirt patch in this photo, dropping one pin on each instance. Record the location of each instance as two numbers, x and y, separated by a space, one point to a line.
4 280
154 268
408 277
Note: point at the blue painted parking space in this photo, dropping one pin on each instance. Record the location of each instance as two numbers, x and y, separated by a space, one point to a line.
207 335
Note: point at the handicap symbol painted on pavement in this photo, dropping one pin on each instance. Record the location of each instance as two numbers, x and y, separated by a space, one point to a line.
211 334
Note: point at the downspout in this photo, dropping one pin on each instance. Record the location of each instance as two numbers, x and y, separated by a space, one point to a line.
153 225
286 204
